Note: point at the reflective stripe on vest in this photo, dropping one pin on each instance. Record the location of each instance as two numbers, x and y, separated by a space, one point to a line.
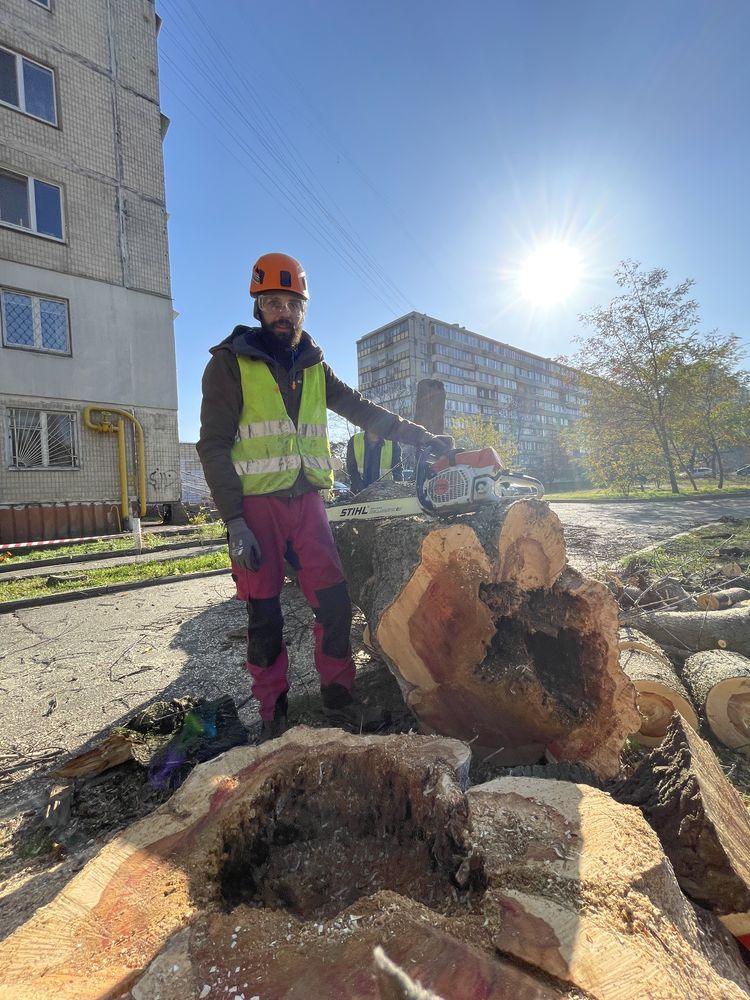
269 450
386 456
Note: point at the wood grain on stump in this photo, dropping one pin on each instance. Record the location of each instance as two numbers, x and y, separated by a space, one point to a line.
720 685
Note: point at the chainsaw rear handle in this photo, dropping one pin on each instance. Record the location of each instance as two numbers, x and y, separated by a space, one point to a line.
421 474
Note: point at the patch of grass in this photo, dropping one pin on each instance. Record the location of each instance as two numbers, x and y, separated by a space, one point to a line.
705 489
35 587
117 543
694 553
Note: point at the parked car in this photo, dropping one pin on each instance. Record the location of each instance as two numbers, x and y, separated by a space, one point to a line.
744 471
341 491
702 472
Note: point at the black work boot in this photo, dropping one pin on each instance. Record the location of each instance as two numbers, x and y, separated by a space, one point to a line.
271 728
346 711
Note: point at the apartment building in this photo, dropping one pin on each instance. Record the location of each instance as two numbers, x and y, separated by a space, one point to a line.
88 387
528 397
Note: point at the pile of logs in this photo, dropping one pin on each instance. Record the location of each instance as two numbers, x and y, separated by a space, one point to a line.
328 865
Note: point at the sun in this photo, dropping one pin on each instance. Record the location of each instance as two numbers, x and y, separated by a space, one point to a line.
550 274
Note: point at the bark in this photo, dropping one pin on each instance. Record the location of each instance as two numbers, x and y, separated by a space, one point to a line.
660 694
720 684
285 866
493 639
701 820
629 637
694 631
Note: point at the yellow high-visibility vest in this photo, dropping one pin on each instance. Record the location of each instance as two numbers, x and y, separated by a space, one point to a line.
386 456
269 450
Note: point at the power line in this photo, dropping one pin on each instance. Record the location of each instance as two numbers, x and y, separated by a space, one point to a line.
326 229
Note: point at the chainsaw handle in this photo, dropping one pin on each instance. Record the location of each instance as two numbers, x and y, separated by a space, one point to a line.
422 473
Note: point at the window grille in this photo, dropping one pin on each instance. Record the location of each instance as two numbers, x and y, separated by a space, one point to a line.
40 439
31 321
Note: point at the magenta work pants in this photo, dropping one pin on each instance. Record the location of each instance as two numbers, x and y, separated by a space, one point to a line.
296 528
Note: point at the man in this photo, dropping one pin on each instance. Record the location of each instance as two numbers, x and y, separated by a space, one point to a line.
370 458
265 453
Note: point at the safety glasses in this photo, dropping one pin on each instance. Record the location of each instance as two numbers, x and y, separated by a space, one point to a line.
275 304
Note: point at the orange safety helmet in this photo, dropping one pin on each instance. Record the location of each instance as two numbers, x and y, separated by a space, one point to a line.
278 272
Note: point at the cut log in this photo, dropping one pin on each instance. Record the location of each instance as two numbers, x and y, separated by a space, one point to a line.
491 637
579 888
703 824
631 638
719 682
694 631
719 600
284 866
669 593
660 694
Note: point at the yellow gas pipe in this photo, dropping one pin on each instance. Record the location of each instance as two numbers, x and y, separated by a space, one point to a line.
105 426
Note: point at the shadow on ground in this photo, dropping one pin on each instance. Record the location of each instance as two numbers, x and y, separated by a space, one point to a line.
36 860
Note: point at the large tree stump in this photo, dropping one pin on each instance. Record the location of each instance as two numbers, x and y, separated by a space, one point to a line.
493 639
660 694
276 871
720 684
702 822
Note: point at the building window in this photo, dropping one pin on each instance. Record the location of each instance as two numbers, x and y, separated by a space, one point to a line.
34 322
43 3
27 86
28 203
40 439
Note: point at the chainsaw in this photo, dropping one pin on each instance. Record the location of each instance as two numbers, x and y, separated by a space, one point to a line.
456 483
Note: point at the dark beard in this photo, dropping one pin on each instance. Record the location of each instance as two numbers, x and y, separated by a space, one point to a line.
284 333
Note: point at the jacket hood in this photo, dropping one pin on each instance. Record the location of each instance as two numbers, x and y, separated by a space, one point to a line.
247 341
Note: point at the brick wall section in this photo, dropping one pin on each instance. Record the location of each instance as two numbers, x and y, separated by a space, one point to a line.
106 153
97 478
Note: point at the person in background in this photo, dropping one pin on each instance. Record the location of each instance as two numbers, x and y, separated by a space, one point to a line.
266 456
369 458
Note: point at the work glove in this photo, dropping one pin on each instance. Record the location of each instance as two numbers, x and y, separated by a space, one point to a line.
243 545
440 444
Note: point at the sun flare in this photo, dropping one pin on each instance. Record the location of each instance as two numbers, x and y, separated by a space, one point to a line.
550 274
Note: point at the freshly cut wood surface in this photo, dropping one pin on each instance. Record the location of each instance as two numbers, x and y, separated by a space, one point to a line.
203 851
660 694
693 631
493 639
579 888
702 822
283 867
720 685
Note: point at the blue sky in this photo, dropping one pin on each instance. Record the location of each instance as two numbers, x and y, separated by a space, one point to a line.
412 155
